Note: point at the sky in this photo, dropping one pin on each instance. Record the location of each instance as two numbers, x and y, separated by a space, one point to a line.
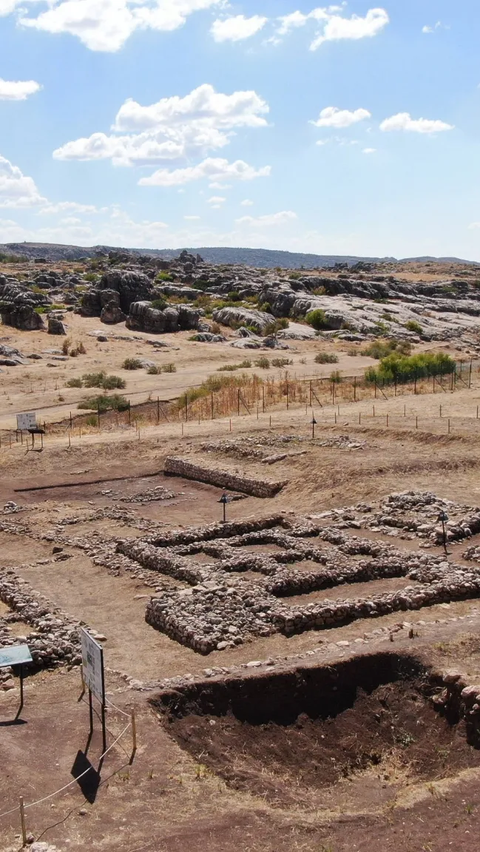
342 129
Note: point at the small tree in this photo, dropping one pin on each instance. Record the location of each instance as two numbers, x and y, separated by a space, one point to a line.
317 319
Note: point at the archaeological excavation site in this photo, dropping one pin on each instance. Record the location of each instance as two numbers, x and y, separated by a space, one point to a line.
239 597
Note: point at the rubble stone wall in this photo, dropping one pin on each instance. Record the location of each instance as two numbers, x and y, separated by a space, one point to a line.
175 466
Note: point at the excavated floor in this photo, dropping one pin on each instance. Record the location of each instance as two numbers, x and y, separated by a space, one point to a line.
365 724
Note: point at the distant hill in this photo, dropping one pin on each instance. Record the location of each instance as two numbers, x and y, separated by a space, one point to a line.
265 258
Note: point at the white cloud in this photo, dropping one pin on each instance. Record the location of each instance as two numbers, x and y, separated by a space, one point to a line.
171 129
269 220
404 121
70 220
337 27
68 207
16 189
473 226
291 22
215 168
332 24
437 26
216 184
216 201
241 109
237 28
369 151
246 203
339 118
19 90
105 25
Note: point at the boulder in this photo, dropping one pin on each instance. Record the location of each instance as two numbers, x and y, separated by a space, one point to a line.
56 326
112 314
143 317
10 357
90 305
235 317
131 286
23 317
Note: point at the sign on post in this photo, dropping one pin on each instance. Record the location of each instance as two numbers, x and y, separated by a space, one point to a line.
26 421
92 664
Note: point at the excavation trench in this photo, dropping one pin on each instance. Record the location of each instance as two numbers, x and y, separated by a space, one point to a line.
286 736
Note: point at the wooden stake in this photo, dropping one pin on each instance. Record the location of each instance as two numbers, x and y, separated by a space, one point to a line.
134 734
22 821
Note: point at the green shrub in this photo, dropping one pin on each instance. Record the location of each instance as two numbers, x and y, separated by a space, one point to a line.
317 319
383 347
294 276
159 304
104 403
263 363
154 370
169 368
113 382
74 383
281 362
90 276
403 368
132 364
164 276
414 326
275 326
234 296
326 358
336 377
94 380
101 380
229 368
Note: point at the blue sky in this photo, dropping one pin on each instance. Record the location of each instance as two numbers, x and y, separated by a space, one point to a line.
347 129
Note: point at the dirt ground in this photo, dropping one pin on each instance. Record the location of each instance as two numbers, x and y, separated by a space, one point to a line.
385 772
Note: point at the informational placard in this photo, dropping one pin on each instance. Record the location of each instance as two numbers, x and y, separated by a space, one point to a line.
25 421
14 655
92 663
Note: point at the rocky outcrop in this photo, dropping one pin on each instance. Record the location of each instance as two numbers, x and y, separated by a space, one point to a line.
236 317
10 357
23 317
120 286
144 317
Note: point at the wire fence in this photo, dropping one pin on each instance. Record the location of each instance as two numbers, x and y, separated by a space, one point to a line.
243 395
23 806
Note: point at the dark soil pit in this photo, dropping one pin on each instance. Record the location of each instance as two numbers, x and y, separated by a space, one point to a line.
292 735
352 591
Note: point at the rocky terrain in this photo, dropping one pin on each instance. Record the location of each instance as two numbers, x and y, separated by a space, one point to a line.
161 296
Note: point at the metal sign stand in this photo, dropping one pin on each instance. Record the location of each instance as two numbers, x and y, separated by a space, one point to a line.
224 499
13 656
34 432
93 677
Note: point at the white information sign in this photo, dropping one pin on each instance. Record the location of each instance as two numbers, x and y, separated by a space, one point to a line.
26 421
92 663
